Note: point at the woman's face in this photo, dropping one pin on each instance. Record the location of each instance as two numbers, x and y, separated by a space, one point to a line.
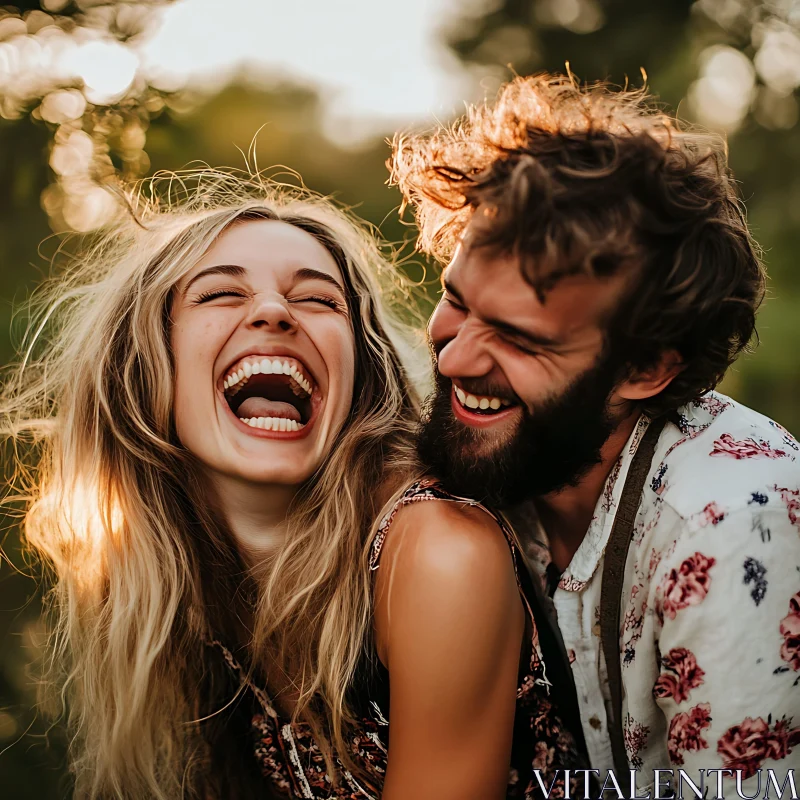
264 354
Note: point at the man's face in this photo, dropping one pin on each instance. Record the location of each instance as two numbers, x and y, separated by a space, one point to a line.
524 397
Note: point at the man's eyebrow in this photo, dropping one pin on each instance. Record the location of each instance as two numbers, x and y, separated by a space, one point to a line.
449 288
531 337
308 274
537 339
233 270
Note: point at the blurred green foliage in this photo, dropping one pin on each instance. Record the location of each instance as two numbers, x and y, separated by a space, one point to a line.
611 39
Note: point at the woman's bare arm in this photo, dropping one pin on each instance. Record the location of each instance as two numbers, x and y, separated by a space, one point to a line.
449 625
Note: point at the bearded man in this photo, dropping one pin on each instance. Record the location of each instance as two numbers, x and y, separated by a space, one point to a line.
600 281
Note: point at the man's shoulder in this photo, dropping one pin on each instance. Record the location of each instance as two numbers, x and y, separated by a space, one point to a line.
720 456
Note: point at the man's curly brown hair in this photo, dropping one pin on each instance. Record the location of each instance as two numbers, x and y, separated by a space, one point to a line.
587 179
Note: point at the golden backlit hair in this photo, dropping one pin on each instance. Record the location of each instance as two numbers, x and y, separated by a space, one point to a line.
592 180
145 572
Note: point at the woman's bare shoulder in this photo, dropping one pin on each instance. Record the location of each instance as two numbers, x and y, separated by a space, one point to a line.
446 535
446 566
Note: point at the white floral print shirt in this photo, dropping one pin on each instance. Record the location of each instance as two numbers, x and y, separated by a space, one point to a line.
710 635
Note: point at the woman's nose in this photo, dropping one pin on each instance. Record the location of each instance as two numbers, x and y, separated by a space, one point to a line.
272 314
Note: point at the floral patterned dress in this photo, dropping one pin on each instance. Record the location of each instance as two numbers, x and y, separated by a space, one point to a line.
544 744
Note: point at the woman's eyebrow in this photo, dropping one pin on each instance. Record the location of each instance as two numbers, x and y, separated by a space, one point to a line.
233 270
308 274
236 271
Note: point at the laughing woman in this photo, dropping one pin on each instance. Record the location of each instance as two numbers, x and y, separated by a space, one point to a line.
213 432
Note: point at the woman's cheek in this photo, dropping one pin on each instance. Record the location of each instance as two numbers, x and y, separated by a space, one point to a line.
187 409
349 367
342 371
193 348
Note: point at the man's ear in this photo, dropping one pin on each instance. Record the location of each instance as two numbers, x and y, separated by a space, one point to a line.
642 384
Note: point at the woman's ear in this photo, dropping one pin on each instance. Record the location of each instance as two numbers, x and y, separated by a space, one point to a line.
642 384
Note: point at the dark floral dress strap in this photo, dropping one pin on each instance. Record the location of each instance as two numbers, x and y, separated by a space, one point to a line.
431 489
244 679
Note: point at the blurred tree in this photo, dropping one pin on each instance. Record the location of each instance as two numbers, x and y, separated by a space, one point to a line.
614 39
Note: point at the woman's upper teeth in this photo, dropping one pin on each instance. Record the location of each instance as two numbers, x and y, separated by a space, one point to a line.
471 401
265 365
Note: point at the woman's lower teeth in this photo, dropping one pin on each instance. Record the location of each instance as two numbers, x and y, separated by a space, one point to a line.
273 424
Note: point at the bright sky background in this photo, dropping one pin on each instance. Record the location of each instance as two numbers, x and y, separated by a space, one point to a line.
377 65
381 60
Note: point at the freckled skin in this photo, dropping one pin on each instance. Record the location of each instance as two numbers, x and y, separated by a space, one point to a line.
266 306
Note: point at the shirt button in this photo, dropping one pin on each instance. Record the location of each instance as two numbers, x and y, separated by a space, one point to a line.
595 722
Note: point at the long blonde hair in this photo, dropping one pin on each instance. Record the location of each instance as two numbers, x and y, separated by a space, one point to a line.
145 571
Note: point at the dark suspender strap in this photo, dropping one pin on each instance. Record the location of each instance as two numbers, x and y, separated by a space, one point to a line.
616 555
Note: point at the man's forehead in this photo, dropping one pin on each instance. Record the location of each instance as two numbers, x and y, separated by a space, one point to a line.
492 284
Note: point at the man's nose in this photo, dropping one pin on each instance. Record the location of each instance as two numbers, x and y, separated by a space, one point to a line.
273 314
465 355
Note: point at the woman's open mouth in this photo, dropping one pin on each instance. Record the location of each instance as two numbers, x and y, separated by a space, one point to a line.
270 393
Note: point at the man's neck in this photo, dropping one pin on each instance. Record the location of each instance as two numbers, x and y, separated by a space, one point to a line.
567 513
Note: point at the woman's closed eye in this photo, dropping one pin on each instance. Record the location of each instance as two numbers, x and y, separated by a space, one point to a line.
212 294
330 302
232 292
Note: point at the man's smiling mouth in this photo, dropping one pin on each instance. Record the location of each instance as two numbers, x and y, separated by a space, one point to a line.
480 404
271 393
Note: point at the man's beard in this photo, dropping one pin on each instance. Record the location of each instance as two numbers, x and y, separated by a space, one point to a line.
551 448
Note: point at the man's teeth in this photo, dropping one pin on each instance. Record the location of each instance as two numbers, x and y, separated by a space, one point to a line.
267 366
483 403
273 424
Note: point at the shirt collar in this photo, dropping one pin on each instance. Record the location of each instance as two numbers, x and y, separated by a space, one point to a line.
691 420
588 555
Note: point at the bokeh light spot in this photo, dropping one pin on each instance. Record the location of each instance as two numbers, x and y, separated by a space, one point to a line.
8 726
721 97
106 68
